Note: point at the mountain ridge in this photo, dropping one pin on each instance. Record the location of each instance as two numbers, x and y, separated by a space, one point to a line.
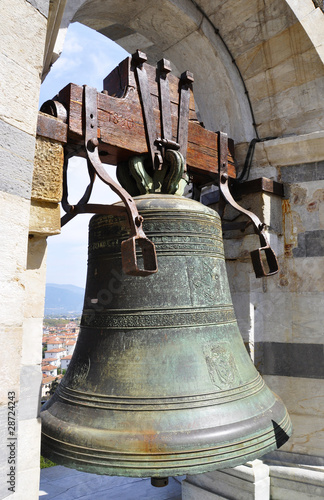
63 299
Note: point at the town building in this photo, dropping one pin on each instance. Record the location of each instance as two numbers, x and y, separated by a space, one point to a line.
65 361
49 370
46 386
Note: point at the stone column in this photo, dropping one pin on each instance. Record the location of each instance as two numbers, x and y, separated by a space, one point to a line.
22 33
44 221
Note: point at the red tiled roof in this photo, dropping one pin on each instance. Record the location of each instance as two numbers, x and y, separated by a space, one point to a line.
48 380
48 368
67 357
56 350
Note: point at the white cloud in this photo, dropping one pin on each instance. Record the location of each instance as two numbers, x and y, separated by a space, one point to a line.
72 44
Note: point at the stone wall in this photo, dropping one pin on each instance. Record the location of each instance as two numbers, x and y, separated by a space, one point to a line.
23 30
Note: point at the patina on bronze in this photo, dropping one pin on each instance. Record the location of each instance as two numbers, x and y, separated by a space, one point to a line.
160 383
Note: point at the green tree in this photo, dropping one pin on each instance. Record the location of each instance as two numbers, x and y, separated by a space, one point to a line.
53 387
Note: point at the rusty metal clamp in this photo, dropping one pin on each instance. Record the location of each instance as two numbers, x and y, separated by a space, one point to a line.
95 167
138 60
185 83
259 226
128 247
157 146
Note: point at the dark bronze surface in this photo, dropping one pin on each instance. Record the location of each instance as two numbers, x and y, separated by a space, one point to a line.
160 383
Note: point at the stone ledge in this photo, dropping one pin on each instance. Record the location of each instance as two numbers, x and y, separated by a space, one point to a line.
44 218
284 151
192 492
294 483
245 482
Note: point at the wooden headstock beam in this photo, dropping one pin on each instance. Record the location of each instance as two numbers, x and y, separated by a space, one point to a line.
121 130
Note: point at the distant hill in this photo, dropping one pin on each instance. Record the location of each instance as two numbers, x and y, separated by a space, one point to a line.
63 299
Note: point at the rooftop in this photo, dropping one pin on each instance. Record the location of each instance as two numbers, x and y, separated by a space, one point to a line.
47 379
48 368
56 350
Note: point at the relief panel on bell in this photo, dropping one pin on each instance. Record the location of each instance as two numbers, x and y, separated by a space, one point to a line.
208 282
221 365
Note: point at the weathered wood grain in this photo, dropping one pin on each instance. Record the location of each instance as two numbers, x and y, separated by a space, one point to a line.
121 127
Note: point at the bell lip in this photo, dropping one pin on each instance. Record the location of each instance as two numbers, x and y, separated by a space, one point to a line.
232 450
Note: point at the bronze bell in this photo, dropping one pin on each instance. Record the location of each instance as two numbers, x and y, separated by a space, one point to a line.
160 383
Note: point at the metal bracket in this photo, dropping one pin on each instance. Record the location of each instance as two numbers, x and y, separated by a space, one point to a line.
157 146
54 108
164 68
185 83
259 226
139 58
95 167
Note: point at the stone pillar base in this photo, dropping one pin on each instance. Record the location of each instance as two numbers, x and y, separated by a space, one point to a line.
295 476
245 482
295 483
288 476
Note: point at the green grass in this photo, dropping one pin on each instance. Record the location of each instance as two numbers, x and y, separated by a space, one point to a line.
45 462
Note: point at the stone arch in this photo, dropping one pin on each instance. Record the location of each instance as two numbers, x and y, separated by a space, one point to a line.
268 53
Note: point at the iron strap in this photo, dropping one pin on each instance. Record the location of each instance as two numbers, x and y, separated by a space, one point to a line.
259 226
128 247
165 104
95 167
147 107
183 119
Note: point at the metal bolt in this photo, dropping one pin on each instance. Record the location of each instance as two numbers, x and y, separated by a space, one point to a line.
164 65
139 58
187 78
139 220
93 143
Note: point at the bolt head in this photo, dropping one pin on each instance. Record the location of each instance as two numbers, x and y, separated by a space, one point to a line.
164 65
93 143
139 57
187 77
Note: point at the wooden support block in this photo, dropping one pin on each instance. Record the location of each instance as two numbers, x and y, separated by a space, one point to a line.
51 128
262 184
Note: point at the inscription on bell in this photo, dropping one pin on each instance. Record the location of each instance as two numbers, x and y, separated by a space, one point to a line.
161 319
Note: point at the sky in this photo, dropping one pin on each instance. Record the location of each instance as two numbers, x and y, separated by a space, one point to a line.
87 58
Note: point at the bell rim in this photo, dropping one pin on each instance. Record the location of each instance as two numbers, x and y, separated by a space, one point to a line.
235 448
